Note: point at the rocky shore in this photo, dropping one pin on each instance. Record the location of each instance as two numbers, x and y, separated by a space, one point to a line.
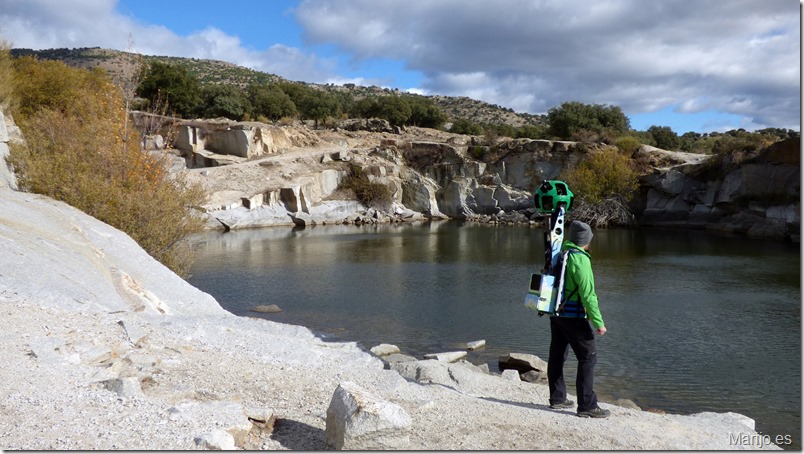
106 349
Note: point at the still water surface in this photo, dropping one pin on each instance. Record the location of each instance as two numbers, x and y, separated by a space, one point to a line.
696 321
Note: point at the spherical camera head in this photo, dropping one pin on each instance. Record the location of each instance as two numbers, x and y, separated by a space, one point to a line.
551 195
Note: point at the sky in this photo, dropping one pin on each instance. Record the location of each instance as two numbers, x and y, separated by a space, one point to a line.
692 65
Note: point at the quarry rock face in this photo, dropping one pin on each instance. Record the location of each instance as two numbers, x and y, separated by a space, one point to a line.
759 197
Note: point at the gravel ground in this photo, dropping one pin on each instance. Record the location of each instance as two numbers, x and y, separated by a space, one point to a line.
57 361
105 349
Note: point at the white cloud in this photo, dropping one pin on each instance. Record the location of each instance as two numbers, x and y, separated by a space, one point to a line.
294 64
416 91
740 57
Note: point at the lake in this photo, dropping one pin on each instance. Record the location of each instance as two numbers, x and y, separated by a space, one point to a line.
697 321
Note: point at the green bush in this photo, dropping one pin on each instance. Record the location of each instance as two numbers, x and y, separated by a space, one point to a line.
225 101
628 145
173 83
400 110
463 126
312 104
478 152
573 117
740 142
270 102
531 132
664 137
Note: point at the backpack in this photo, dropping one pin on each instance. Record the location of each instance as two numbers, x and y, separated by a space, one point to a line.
546 291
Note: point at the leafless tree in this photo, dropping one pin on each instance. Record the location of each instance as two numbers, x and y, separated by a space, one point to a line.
127 80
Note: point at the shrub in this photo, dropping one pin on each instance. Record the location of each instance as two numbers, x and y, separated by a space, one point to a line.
585 136
74 152
478 152
463 126
628 145
572 117
531 132
223 101
491 136
664 137
425 113
400 110
370 194
7 99
603 185
175 84
611 211
605 174
286 121
270 102
740 142
50 85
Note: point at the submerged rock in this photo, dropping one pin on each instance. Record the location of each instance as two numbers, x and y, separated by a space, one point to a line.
448 357
267 309
474 345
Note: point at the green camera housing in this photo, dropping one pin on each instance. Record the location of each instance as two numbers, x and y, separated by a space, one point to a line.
551 195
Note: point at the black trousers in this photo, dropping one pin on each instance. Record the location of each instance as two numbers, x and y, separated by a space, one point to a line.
576 333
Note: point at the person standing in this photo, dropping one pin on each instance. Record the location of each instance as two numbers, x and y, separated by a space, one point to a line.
570 328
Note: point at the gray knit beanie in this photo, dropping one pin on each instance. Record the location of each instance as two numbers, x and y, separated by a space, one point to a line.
580 233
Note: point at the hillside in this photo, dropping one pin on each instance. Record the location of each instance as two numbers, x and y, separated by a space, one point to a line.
220 72
115 62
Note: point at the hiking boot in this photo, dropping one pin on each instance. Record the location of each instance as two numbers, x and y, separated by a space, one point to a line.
596 412
566 404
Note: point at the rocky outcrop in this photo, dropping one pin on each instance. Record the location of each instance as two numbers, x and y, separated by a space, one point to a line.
759 196
428 179
444 178
239 139
369 124
465 186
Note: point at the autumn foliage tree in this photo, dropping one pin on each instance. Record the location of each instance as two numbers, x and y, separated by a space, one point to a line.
603 185
7 82
73 121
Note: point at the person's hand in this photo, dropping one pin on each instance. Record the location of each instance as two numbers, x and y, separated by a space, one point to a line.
601 331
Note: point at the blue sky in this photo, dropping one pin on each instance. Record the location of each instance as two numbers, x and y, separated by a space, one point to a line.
272 22
693 65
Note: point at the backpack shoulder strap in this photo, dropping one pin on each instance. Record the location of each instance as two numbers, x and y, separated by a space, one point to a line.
566 298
